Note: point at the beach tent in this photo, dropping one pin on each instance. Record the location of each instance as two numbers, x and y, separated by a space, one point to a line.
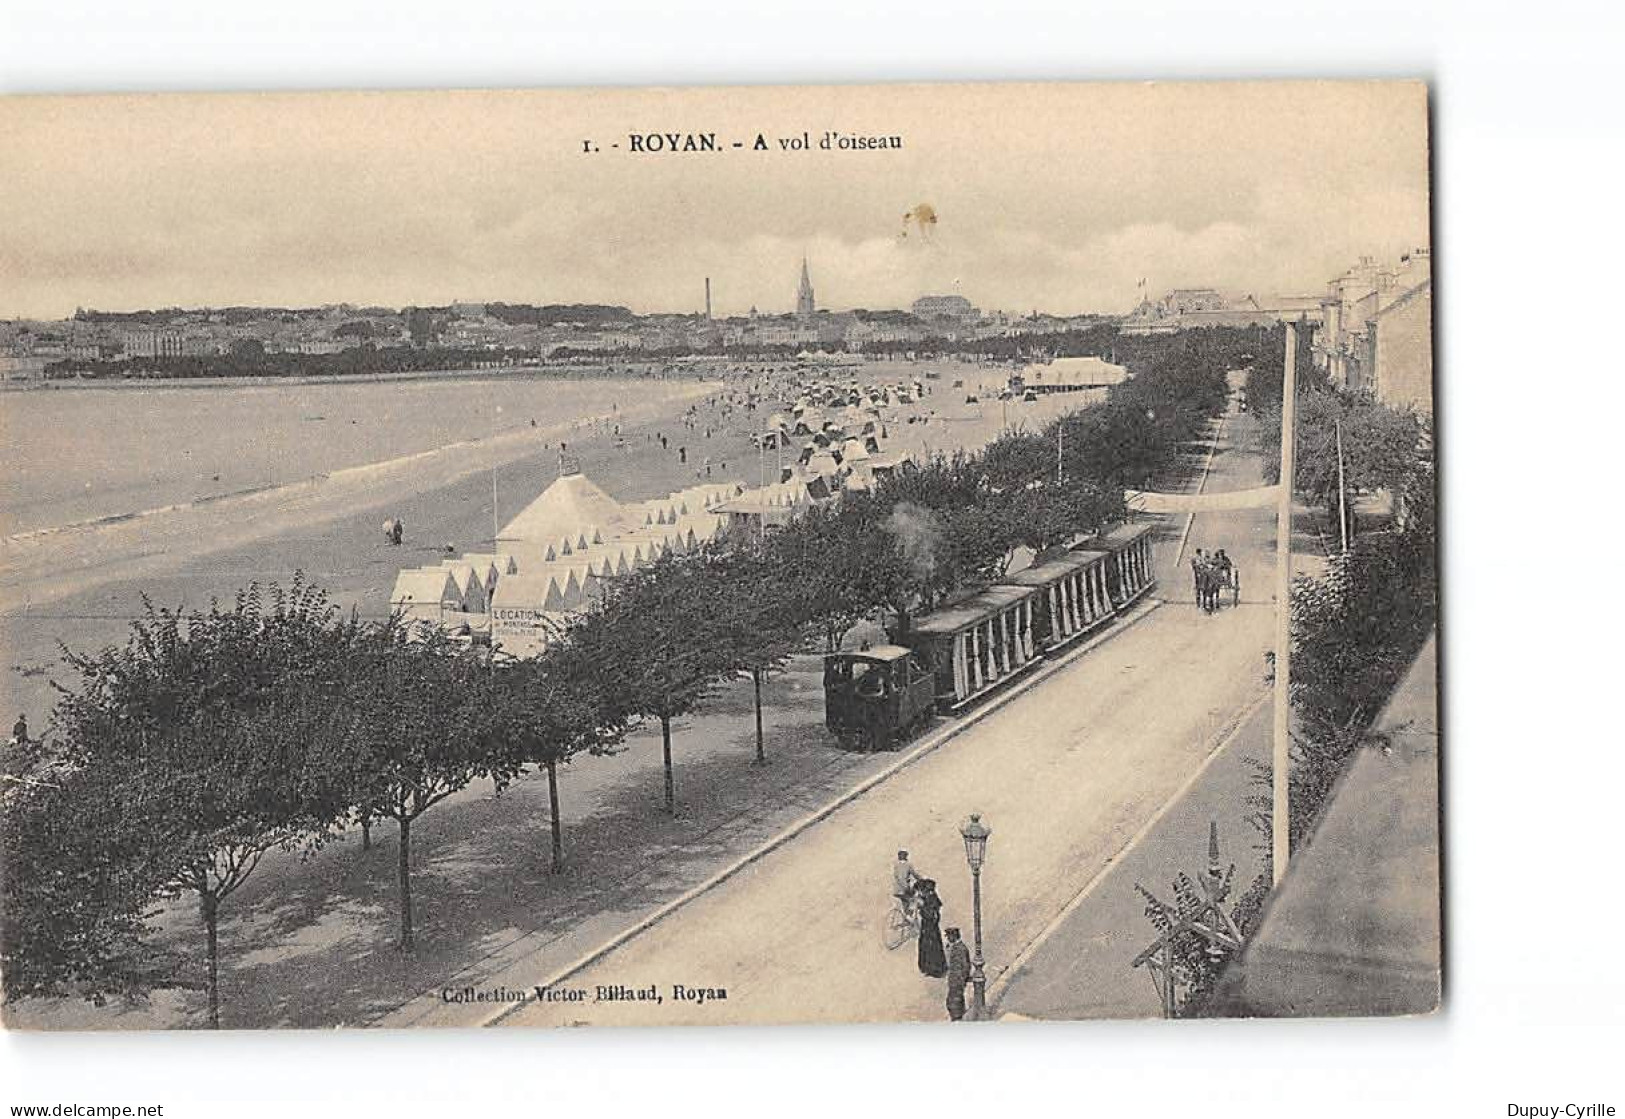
587 583
554 589
624 557
484 567
572 509
1067 373
700 527
502 562
425 594
824 463
470 586
600 561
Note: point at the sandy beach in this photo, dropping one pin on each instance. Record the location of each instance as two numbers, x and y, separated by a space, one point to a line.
80 586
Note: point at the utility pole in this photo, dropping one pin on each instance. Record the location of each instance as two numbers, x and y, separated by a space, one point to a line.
1342 507
1281 761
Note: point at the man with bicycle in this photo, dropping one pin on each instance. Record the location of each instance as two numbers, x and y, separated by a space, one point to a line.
904 878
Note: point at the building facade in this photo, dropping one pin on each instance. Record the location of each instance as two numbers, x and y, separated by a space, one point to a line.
955 307
1377 330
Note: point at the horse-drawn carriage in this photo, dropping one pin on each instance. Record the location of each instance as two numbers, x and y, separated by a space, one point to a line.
1215 576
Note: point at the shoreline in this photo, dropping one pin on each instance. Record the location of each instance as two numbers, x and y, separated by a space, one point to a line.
507 372
36 567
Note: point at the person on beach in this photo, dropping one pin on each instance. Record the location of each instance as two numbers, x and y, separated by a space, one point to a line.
932 961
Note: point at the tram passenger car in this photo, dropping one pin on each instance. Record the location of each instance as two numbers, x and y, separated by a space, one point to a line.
1128 571
956 656
976 645
1073 598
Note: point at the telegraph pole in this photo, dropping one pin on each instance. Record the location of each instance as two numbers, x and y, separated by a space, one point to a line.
1342 506
1281 761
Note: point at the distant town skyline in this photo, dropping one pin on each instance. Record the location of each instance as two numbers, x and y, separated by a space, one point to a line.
1060 199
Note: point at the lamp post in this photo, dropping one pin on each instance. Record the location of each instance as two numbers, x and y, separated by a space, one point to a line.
975 834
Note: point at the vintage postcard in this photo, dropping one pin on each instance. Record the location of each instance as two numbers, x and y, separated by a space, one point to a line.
718 556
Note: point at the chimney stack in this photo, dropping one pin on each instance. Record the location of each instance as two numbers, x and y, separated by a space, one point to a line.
708 299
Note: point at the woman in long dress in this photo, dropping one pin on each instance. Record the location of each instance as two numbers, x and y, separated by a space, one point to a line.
933 960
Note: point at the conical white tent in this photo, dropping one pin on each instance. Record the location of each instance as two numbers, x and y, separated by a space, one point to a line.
470 587
567 509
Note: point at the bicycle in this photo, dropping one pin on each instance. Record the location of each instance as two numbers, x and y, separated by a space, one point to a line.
901 923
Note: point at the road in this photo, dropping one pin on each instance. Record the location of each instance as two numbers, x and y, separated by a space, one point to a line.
1067 773
484 896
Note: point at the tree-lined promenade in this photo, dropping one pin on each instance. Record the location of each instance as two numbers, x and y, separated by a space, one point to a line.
178 760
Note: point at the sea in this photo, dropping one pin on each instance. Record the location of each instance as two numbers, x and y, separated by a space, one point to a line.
74 455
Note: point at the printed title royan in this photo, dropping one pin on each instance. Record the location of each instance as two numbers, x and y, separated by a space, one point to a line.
678 143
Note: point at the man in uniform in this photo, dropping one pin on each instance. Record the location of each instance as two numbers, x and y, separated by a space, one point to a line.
958 972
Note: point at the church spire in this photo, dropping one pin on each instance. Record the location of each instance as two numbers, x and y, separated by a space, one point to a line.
804 293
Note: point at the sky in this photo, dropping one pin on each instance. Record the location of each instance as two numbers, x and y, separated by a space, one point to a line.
1058 198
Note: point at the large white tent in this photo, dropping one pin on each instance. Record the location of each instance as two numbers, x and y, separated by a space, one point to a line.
572 509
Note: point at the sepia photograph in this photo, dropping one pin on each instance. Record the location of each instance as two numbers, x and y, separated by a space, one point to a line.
719 556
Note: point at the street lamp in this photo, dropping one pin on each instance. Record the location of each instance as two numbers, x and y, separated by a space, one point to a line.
975 834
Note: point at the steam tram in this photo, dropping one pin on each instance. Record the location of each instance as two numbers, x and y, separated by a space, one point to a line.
955 656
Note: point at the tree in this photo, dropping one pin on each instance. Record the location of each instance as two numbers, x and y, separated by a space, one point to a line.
83 866
1380 448
555 709
820 568
422 718
759 618
655 644
1047 515
191 745
1017 459
234 770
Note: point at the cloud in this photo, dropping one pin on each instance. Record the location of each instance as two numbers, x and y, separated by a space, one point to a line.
1052 197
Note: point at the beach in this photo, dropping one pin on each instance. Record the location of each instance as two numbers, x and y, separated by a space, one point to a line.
80 585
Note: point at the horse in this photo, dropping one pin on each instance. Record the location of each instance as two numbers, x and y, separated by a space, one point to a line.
1208 581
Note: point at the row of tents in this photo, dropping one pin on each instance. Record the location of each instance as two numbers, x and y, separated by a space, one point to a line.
553 558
